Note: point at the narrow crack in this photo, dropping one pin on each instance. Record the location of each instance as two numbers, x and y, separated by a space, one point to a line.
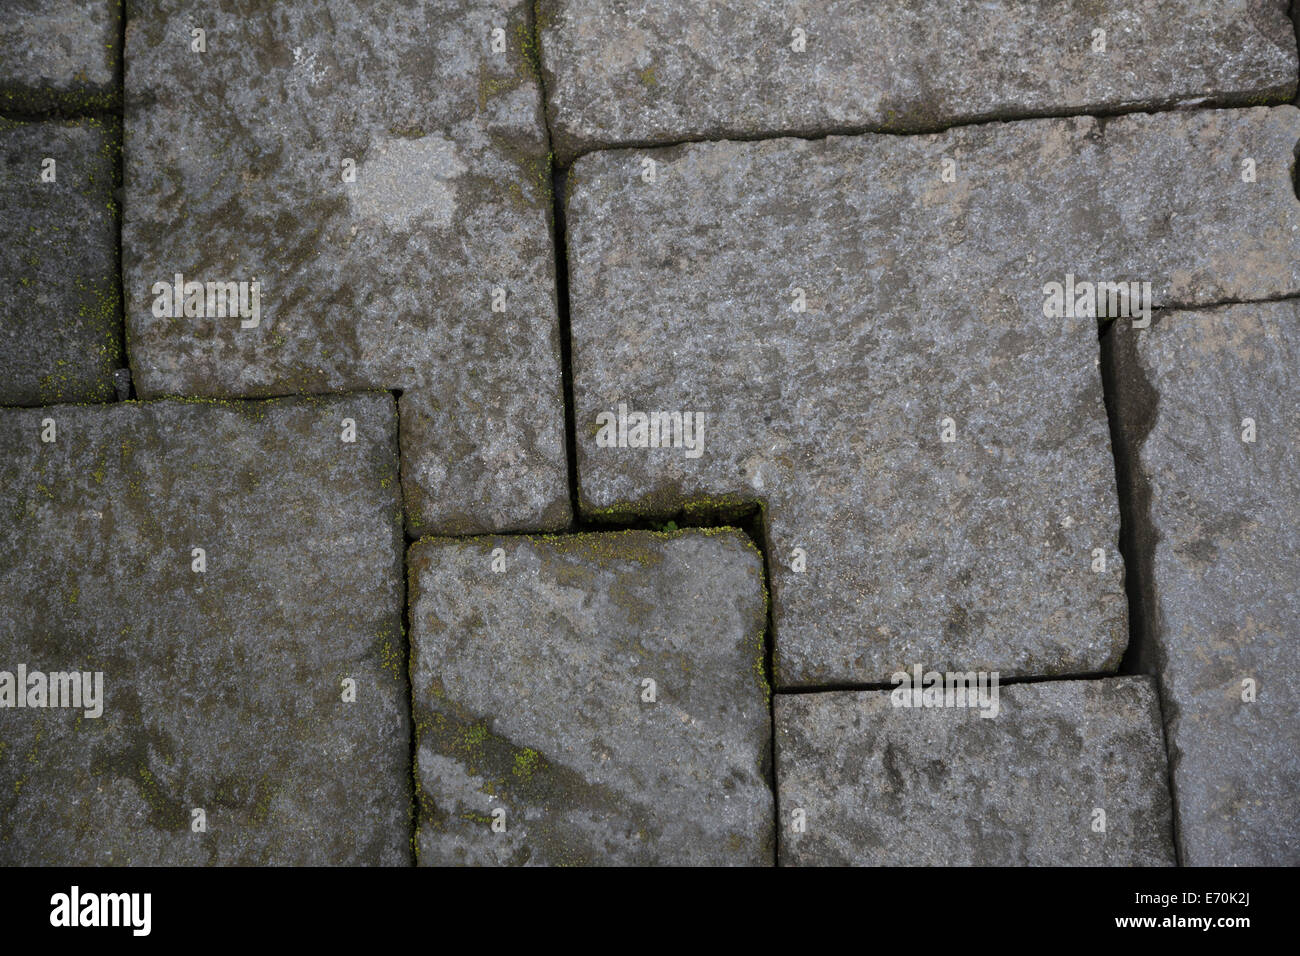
559 183
1184 104
1012 681
1137 536
410 699
757 531
1221 303
406 542
119 197
1131 403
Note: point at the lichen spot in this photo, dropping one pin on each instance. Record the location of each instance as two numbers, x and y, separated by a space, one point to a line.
405 182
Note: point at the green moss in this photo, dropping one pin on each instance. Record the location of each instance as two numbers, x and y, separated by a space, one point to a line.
408 132
165 813
697 510
543 175
526 762
46 99
519 776
261 809
635 546
490 86
391 656
467 742
530 50
758 643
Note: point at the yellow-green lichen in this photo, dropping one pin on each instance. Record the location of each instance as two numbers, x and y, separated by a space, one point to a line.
526 763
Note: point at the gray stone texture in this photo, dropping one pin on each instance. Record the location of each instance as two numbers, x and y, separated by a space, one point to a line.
60 54
223 689
924 302
528 697
60 301
648 71
235 171
886 785
1217 527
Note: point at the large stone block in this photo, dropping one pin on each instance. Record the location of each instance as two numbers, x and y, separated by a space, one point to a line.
380 169
60 54
864 782
223 673
836 309
539 740
60 300
1209 421
637 73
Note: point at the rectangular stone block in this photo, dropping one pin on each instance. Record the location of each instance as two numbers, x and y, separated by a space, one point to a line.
1208 409
60 298
381 171
643 73
864 782
591 699
60 54
865 330
233 574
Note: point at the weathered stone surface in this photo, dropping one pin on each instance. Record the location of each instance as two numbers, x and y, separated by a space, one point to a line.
528 687
924 302
490 457
60 303
1217 528
235 171
880 784
60 54
655 72
223 689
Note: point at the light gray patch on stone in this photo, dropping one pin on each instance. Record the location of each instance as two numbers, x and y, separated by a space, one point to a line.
60 303
528 699
655 72
222 689
407 181
924 302
894 786
1220 565
235 170
59 54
